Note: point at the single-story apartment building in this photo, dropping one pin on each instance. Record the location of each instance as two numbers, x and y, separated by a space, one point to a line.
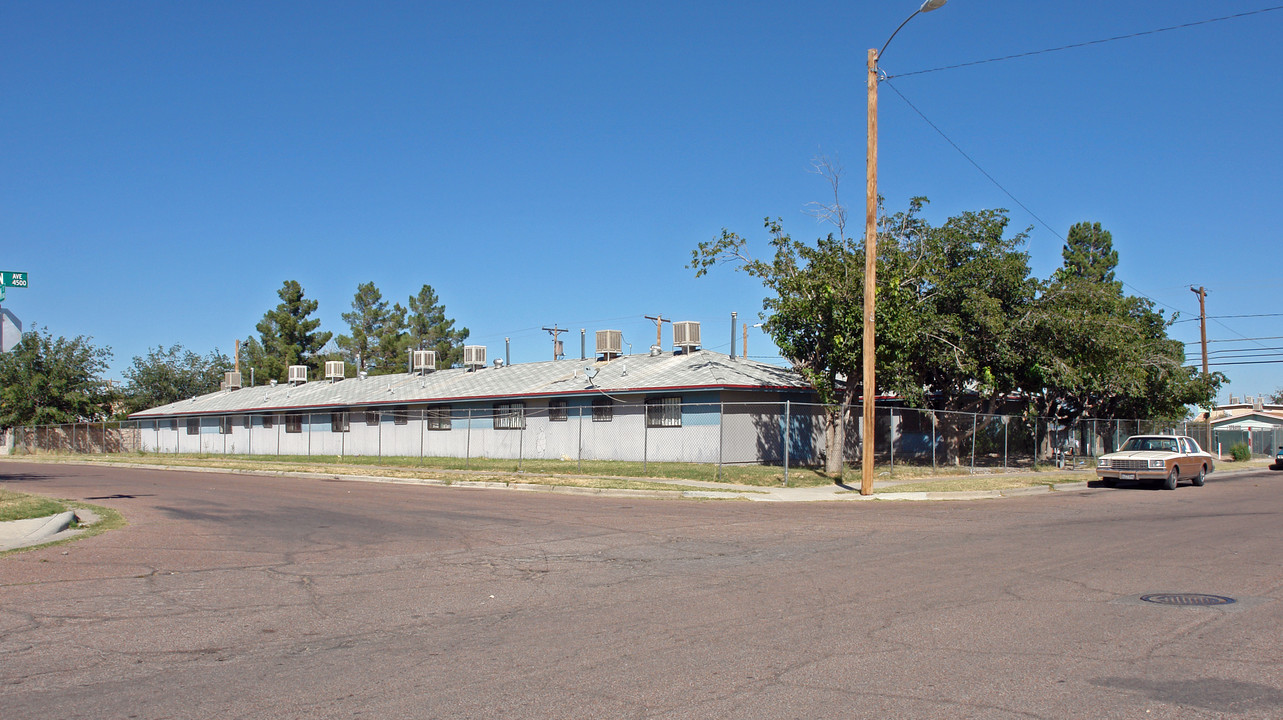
689 405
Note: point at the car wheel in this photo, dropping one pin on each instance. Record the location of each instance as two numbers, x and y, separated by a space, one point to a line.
1173 477
1201 477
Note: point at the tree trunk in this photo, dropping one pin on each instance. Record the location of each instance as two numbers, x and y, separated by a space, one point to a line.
835 439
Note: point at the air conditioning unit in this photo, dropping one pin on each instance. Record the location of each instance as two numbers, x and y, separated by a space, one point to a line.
425 360
686 335
610 343
232 380
334 370
298 373
474 356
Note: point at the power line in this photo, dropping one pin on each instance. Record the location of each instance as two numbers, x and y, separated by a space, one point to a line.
1128 36
1241 339
1223 317
998 185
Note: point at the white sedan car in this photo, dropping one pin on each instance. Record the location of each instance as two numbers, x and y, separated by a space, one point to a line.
1159 458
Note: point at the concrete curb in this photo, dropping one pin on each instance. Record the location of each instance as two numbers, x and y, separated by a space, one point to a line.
33 531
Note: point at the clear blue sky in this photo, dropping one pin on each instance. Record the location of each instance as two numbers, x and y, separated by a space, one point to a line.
166 166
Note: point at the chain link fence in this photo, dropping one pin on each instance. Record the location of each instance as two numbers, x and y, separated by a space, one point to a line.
655 430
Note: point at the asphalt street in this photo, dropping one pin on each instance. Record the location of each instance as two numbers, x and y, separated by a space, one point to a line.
236 596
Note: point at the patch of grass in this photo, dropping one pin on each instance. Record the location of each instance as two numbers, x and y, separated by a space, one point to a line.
988 482
23 506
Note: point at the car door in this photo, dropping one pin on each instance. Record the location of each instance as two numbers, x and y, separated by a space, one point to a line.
1189 462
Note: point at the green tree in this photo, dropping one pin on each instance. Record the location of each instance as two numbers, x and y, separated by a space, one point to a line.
376 343
1089 254
1100 353
166 375
46 380
288 335
428 328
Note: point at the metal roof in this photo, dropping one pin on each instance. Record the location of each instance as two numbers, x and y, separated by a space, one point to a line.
629 374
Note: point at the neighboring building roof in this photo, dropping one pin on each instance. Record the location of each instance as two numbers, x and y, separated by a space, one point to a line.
630 374
1243 418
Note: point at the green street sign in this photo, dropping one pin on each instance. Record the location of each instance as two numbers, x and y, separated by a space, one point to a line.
1 293
13 279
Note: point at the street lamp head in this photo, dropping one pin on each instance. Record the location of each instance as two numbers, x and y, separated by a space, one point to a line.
930 5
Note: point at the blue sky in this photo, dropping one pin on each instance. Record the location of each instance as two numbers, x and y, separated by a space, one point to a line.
166 166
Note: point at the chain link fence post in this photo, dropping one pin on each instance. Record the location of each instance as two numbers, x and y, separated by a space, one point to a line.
787 441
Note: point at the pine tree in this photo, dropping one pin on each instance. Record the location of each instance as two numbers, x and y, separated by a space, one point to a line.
289 335
1089 254
429 328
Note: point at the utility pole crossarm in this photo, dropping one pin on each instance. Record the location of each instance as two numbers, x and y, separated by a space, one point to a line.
659 321
556 343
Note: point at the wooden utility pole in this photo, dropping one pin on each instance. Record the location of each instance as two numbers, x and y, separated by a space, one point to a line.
659 328
870 278
1201 292
556 344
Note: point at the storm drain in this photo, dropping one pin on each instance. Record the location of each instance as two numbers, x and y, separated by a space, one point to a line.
1188 599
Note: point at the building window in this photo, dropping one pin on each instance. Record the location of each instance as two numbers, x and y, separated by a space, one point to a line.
557 411
338 422
267 422
193 426
246 422
439 418
400 415
510 416
371 417
603 410
293 423
173 423
664 412
225 425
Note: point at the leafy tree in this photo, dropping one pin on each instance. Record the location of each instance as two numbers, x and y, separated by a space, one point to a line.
376 344
47 380
1089 254
167 375
949 299
1277 397
288 335
428 328
1098 352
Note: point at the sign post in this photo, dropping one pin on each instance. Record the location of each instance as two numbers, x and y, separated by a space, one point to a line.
10 279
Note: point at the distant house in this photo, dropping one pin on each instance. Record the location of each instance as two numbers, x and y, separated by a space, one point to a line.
1256 424
689 405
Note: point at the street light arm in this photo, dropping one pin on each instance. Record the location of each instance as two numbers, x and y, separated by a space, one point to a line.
927 6
897 30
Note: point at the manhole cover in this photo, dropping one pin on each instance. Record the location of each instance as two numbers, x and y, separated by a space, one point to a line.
1187 599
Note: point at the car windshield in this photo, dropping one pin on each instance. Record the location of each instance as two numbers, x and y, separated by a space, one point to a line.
1160 444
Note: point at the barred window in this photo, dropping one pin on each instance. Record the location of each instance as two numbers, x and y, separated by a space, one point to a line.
225 425
557 411
510 416
400 415
603 410
293 423
173 423
339 422
246 422
664 412
439 418
371 417
268 421
193 426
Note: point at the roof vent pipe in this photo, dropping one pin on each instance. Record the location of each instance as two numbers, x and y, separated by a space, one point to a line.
734 318
507 352
583 344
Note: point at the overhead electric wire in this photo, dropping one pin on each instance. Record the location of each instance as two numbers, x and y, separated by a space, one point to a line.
1003 189
1128 36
